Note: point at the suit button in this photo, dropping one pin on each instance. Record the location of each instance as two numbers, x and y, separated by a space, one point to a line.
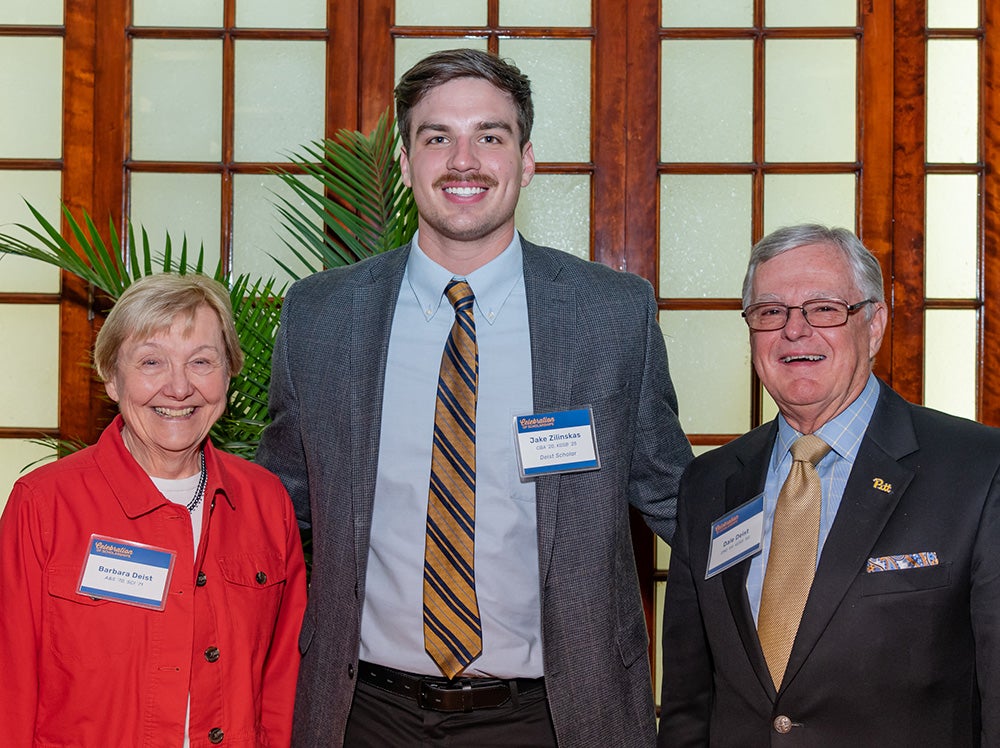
202 579
261 577
782 724
350 672
212 654
215 735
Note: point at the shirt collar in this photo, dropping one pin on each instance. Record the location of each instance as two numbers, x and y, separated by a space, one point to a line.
491 284
843 433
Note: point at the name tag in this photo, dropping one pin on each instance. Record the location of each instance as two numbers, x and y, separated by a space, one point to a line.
126 572
736 536
561 442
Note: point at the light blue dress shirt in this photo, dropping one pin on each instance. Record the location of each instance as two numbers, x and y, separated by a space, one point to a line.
844 434
506 556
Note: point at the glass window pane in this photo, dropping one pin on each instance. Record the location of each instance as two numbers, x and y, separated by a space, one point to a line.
951 240
559 70
694 339
182 13
31 82
258 236
29 378
288 14
810 100
811 13
40 189
183 205
40 12
950 361
809 198
410 51
440 13
280 97
722 13
549 13
707 100
176 100
554 210
660 594
15 455
953 14
952 101
705 234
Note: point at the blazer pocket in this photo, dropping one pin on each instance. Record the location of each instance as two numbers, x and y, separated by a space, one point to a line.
86 630
905 580
254 586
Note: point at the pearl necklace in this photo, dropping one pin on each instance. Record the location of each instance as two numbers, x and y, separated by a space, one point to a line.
199 492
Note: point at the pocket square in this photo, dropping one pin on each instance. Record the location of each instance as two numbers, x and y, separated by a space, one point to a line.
902 561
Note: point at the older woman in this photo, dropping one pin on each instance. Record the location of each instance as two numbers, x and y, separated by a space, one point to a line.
152 587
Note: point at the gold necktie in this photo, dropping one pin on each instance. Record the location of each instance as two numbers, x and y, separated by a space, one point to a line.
453 635
791 563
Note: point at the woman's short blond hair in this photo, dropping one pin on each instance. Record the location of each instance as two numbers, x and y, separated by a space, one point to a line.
151 304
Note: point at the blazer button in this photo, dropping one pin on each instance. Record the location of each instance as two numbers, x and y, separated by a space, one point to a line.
215 735
212 654
202 579
350 671
782 724
261 577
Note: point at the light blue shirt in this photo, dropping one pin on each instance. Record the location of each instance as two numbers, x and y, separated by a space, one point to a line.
844 434
506 556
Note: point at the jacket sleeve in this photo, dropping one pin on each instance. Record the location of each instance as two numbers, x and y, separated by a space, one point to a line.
282 667
21 564
661 451
985 602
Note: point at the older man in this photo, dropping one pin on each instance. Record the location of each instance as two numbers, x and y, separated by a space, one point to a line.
835 578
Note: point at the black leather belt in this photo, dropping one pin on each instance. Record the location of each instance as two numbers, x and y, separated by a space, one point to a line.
443 695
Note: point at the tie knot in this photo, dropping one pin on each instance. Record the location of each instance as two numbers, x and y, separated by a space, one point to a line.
809 448
459 293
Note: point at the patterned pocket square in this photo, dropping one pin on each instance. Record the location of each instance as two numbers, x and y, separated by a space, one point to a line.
902 561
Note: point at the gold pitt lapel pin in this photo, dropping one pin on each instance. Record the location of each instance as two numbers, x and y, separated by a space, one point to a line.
881 485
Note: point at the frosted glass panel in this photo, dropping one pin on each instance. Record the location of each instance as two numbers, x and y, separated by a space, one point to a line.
181 205
440 13
31 82
554 210
177 100
810 100
549 13
560 84
811 13
280 97
705 234
660 589
808 198
15 455
257 231
710 367
183 13
952 14
950 361
707 100
29 377
41 12
952 101
288 14
950 243
725 13
41 189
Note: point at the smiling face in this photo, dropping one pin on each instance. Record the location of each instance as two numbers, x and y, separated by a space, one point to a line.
813 373
466 169
171 388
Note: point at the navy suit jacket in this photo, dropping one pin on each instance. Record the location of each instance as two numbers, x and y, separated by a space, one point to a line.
896 658
594 341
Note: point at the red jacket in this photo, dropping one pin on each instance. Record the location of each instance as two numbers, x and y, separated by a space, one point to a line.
75 671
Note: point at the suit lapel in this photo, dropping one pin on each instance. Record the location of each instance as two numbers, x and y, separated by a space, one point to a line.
552 329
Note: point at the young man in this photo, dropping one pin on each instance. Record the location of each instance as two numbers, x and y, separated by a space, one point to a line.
470 583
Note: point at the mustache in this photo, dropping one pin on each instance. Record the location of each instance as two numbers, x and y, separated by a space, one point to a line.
476 178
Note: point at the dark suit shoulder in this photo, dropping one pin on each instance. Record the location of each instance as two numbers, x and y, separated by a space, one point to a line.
347 277
584 274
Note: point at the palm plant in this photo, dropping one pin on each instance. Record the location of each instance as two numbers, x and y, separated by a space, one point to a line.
359 209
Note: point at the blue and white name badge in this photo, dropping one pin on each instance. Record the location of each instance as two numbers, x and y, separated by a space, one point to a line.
736 536
126 572
560 442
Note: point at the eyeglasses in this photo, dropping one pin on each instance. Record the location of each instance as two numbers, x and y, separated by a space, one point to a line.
770 315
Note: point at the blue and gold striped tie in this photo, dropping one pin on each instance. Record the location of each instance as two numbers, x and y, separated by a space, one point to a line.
453 635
